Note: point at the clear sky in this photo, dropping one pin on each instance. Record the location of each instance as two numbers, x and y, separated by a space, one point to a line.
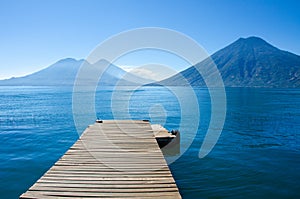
35 34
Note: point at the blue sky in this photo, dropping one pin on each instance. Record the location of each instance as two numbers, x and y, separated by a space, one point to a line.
35 34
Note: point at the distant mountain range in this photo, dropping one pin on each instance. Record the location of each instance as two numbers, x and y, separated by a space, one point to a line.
248 62
64 72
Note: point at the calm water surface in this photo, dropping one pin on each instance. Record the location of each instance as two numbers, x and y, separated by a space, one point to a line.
257 155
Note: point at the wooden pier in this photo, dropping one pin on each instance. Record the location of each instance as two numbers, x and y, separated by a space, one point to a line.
111 159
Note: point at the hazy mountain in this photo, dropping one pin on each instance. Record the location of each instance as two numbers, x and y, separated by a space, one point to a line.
248 62
64 72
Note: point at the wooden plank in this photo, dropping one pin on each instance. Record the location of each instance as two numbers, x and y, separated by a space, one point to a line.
113 159
99 182
106 186
108 171
72 194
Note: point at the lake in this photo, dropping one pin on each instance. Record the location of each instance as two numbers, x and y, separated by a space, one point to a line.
256 156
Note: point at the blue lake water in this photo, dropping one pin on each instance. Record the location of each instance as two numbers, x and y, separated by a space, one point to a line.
256 156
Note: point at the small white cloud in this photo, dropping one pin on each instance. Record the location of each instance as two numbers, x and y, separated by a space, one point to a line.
127 68
155 72
145 73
